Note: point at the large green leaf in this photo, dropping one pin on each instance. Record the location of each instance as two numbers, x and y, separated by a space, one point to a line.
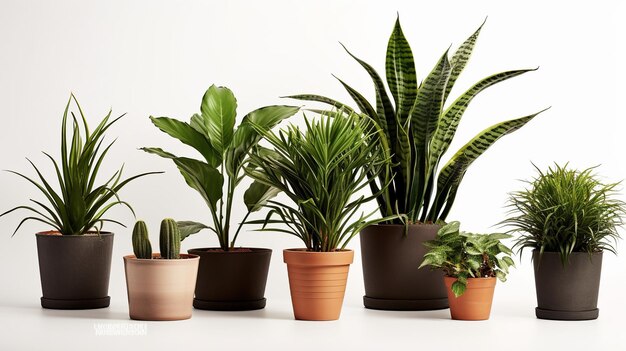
189 136
452 173
450 119
400 71
188 228
460 58
218 115
258 194
206 180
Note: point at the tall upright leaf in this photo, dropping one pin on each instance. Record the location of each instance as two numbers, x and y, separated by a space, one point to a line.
218 114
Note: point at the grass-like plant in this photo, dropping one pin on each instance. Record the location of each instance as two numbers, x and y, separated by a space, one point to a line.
464 255
321 170
566 210
417 128
224 150
79 203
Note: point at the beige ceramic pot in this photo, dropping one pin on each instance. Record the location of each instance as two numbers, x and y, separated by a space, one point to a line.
318 282
159 289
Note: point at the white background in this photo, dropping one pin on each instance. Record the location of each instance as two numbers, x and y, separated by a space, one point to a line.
157 58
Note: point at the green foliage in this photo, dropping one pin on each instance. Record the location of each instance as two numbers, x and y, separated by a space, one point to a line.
321 170
78 205
169 239
465 255
224 150
565 210
141 242
417 128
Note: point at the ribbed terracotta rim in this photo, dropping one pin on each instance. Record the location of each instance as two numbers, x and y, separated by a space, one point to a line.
304 257
184 258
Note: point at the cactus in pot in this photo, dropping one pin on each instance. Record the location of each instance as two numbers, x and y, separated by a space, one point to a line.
169 239
141 241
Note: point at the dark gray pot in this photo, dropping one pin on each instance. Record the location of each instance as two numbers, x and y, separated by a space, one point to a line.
75 270
391 275
567 292
231 281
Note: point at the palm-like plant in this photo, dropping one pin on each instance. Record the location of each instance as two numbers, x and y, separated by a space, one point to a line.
212 133
418 129
465 255
565 211
78 205
320 170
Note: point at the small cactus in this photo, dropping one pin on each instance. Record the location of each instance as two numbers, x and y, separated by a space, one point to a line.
170 239
141 241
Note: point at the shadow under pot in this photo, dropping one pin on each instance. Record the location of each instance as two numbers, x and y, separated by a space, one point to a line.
317 281
570 291
391 257
160 289
232 280
74 269
475 303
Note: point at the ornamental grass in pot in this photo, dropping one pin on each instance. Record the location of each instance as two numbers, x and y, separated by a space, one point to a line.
160 286
416 130
471 263
230 278
568 218
75 256
322 170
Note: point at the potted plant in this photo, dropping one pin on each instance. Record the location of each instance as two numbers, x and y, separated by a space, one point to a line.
417 129
568 218
229 277
320 170
471 263
75 256
160 286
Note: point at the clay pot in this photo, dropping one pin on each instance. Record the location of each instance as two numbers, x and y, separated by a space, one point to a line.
74 269
160 289
567 292
317 281
391 260
231 280
475 303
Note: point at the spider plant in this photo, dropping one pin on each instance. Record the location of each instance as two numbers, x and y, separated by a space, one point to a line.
465 255
566 210
321 170
79 204
417 128
213 135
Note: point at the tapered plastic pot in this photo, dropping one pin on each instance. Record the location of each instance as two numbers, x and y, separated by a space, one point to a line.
475 303
231 280
317 281
393 281
74 270
160 289
570 291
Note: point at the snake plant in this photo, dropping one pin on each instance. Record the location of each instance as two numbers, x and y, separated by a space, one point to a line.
224 150
417 128
79 204
321 170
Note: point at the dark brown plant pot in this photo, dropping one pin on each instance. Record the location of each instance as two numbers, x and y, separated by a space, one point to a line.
233 280
74 270
567 292
391 275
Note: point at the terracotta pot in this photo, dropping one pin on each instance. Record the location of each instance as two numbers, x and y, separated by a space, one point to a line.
231 280
391 260
317 281
567 292
74 269
475 303
160 289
